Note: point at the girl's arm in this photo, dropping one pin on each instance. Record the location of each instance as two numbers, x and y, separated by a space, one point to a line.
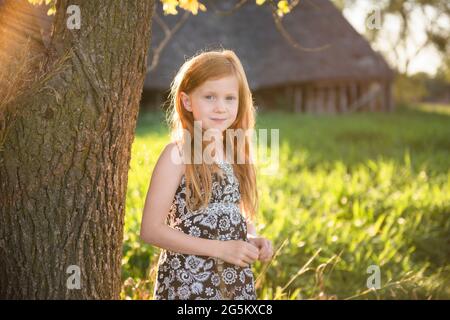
264 245
163 185
251 230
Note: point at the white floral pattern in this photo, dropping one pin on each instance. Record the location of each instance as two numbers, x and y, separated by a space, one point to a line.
184 276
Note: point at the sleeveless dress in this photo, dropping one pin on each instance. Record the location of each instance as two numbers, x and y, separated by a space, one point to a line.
193 277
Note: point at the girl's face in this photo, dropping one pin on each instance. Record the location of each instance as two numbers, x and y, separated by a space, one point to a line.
214 103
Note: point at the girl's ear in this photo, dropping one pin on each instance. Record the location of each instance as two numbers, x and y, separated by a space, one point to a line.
186 101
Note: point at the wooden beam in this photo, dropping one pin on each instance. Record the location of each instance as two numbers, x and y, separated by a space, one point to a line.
353 92
331 100
298 98
389 103
372 100
320 100
310 99
288 94
343 101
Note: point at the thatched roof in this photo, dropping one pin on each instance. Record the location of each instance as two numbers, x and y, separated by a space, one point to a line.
268 59
266 56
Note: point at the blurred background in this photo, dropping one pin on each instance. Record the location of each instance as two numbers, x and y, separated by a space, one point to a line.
360 92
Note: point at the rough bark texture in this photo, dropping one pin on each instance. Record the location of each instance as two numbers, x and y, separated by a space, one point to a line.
64 166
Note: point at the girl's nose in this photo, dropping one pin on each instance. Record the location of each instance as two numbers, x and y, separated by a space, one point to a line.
220 107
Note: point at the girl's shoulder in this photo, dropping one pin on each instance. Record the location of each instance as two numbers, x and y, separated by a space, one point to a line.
177 149
171 159
178 145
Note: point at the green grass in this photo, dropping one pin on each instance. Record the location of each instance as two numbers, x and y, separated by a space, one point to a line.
352 191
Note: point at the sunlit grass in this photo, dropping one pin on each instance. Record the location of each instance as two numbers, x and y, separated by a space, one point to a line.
352 191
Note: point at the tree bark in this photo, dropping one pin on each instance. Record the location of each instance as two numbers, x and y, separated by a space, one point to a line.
65 159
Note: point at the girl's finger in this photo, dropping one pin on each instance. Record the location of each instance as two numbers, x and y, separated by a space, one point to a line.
245 263
265 251
252 255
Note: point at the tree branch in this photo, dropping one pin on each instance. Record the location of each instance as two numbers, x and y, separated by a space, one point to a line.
287 36
168 34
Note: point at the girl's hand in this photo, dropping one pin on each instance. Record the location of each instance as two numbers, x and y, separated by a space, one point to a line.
265 247
237 252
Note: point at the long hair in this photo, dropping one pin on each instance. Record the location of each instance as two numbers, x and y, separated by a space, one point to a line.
212 65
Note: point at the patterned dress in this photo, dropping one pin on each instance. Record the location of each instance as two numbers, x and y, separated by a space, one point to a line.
185 276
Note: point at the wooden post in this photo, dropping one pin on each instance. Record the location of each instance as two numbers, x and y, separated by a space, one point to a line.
310 99
320 100
298 99
288 95
388 103
379 100
373 96
343 102
331 100
353 88
363 95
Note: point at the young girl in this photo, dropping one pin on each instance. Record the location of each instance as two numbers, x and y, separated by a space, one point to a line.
201 212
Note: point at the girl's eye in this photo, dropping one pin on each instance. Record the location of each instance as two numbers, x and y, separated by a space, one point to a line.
228 98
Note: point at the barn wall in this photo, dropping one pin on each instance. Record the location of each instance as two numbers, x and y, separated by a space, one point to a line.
318 97
328 97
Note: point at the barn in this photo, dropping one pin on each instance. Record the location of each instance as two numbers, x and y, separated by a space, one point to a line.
334 71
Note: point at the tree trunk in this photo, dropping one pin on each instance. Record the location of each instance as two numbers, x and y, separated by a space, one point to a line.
65 158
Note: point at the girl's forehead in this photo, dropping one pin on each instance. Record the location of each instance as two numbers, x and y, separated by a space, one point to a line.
228 83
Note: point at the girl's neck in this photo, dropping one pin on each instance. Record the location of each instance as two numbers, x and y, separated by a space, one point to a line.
219 155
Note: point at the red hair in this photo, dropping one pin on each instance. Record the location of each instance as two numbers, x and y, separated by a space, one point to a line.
212 65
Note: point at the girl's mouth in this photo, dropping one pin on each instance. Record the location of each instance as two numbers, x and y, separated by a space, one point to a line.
218 120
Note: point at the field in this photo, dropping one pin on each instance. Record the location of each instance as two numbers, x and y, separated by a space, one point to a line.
352 192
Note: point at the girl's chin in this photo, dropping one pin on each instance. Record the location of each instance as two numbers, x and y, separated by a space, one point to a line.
218 127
